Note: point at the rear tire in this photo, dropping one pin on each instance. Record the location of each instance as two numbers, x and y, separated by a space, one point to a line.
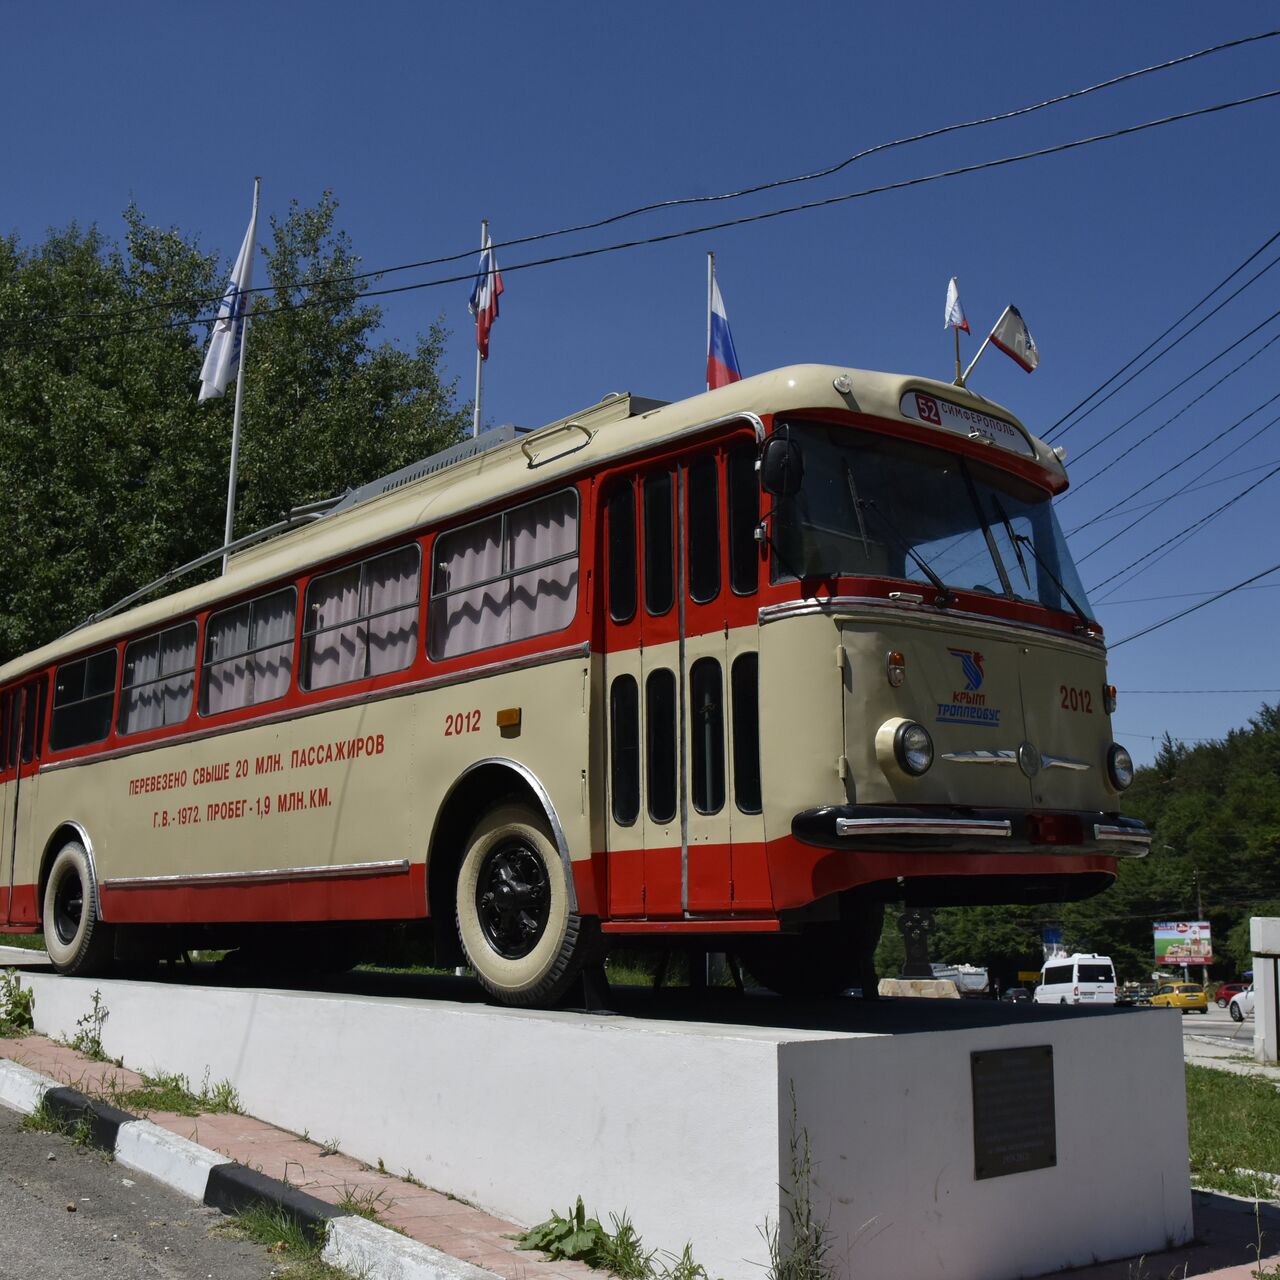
1236 1015
525 944
78 942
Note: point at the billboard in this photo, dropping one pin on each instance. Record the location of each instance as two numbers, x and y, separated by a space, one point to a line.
1183 942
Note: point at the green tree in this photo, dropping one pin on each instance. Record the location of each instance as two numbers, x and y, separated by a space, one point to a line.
111 470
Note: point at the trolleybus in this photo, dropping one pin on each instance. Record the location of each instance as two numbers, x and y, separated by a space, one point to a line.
736 670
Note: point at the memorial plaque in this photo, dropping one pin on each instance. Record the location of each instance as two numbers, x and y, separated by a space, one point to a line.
1013 1116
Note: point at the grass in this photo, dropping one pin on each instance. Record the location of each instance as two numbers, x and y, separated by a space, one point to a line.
1233 1132
27 941
166 1092
296 1249
16 1005
45 1120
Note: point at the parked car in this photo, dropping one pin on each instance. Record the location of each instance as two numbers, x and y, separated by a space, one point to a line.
1241 1006
1186 996
1016 995
1228 989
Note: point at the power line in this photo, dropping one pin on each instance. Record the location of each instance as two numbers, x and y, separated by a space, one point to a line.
1262 248
727 195
1188 595
1164 622
745 220
1189 531
1190 403
1154 507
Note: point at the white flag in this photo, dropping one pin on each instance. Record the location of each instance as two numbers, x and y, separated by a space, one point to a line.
1014 339
955 312
222 359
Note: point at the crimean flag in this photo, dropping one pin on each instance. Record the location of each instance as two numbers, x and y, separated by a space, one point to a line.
955 312
222 360
1013 337
484 295
722 359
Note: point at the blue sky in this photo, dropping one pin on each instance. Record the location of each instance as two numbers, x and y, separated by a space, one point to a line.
425 118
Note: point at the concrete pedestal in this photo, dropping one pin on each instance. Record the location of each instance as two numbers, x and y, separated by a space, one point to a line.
687 1125
1264 933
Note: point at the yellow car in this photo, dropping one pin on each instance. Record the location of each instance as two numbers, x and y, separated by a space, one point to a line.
1182 995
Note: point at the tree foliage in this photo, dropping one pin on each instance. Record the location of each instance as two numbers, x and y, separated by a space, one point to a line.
1215 813
113 473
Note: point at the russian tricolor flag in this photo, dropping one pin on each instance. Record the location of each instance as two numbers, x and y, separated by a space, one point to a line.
484 294
722 359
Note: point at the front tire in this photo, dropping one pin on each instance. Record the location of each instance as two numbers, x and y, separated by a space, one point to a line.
525 944
1236 1015
78 942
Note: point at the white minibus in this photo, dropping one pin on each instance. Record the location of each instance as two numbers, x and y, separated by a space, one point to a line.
1077 979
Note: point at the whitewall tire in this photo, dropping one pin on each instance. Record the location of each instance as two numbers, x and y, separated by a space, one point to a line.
74 935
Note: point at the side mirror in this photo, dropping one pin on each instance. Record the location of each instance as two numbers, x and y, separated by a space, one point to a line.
781 466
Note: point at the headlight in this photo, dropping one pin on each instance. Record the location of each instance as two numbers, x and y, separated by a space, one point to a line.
913 748
1119 767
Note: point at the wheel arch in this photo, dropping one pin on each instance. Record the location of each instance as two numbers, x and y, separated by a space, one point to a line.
480 787
63 834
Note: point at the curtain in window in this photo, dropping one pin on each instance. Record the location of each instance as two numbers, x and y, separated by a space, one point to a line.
337 655
271 667
392 636
543 599
226 674
465 620
178 663
158 680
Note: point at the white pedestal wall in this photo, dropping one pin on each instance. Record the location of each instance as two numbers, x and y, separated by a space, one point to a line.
1264 939
686 1126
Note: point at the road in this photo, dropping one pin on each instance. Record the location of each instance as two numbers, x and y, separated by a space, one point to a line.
70 1212
1217 1023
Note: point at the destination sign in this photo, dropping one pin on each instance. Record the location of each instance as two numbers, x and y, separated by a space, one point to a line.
966 422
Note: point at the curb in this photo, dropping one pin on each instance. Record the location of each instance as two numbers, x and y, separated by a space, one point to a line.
351 1242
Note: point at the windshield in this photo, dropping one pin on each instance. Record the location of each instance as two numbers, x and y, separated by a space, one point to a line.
866 498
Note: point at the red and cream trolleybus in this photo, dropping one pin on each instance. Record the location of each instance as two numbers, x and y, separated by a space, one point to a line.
740 669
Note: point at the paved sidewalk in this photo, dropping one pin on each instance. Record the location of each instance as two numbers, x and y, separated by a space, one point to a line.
450 1225
1234 1055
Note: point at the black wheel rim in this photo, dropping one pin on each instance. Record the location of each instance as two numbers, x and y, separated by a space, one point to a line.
68 908
513 898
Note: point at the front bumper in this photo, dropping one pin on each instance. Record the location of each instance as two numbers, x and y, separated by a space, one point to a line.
943 829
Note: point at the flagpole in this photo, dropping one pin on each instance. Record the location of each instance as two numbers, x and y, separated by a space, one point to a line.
959 375
235 421
711 280
964 377
475 421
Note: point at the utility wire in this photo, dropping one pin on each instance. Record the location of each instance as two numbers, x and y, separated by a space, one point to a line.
1164 622
1189 595
1195 453
1261 249
745 220
1187 532
1154 507
772 185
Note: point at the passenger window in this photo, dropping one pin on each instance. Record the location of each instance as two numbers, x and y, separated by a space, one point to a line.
659 544
83 694
34 726
621 518
703 531
745 682
706 697
248 653
660 743
624 749
159 679
362 621
505 578
744 517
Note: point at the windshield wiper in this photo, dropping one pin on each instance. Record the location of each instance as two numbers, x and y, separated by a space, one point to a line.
1013 538
1057 582
945 594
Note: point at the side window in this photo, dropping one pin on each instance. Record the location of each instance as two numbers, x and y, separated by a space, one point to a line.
620 515
659 544
33 727
362 621
504 578
624 749
744 517
703 532
706 697
159 679
660 743
744 677
248 653
83 694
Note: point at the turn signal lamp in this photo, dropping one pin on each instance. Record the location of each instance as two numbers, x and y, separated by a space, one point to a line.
895 668
1109 698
